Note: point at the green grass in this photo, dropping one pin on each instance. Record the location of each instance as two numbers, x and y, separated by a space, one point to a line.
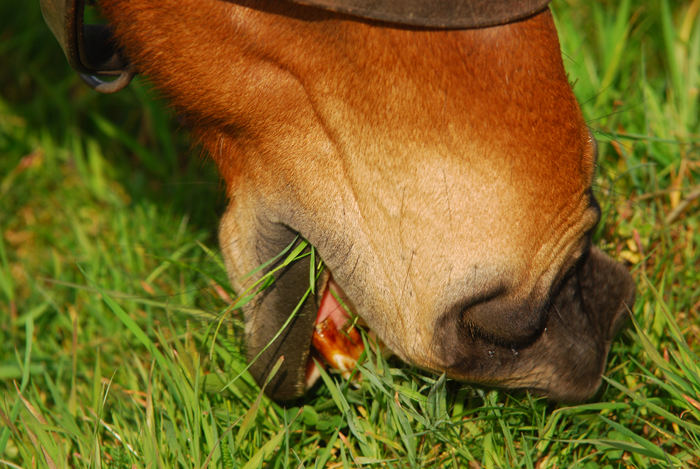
111 284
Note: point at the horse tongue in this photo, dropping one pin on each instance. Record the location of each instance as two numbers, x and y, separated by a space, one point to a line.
338 343
330 308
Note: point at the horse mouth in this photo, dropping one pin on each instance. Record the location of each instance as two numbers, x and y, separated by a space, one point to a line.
336 341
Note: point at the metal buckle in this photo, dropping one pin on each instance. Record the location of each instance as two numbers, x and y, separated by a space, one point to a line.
89 48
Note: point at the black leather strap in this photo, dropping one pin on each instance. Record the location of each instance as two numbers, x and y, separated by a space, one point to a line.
447 14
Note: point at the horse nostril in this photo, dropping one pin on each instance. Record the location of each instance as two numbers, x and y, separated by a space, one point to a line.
501 319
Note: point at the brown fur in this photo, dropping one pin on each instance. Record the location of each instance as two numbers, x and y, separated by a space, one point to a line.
443 176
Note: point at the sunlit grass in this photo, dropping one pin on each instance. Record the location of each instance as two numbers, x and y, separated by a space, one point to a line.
111 286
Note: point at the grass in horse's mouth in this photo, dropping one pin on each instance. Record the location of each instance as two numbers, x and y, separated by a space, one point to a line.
336 341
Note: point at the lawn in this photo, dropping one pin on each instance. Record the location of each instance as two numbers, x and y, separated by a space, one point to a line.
111 284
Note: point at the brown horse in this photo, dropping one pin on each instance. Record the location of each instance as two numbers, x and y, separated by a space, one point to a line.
443 175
